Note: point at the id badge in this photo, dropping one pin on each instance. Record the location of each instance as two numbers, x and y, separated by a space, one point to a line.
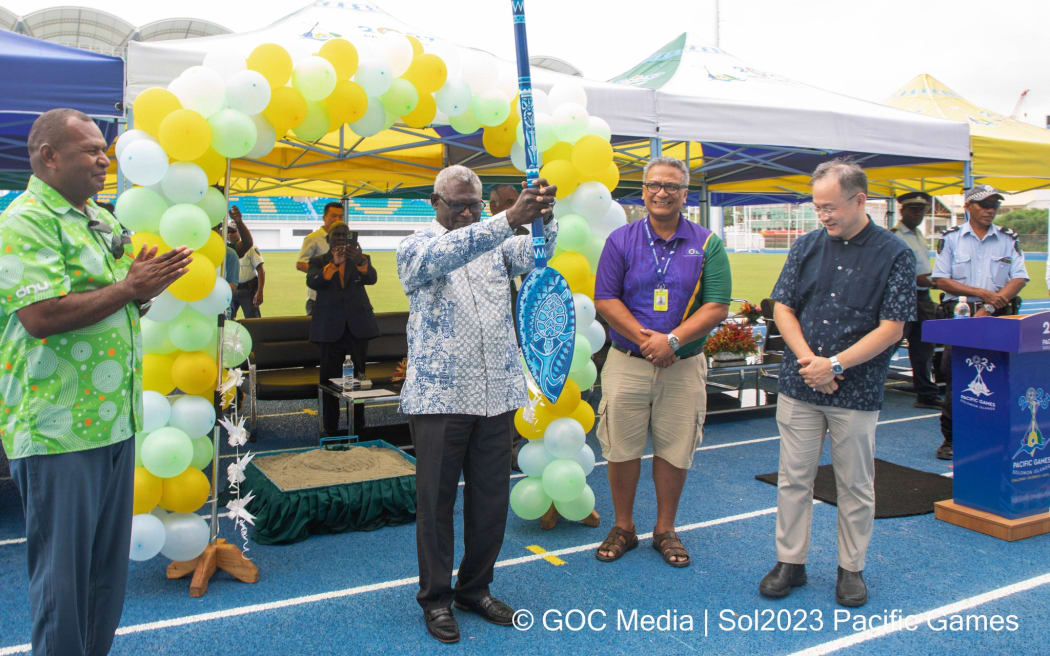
660 299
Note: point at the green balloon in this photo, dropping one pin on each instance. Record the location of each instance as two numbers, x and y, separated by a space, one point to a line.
527 498
315 125
214 205
185 225
563 479
191 330
233 133
203 450
401 98
593 250
581 355
155 337
584 379
573 233
490 108
236 344
577 508
167 452
465 123
139 209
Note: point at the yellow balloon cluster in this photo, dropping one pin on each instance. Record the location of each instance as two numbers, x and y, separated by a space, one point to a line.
569 404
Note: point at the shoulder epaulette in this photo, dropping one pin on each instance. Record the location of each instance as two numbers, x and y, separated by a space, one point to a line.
949 230
1008 232
941 237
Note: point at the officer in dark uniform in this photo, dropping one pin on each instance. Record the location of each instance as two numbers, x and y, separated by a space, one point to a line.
984 263
913 209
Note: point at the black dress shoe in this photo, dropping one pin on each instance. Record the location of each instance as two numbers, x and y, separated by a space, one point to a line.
442 624
850 589
944 452
489 608
928 402
781 579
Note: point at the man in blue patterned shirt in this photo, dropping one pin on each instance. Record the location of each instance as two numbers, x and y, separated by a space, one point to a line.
841 303
463 382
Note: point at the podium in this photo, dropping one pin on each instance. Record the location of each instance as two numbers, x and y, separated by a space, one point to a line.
1001 423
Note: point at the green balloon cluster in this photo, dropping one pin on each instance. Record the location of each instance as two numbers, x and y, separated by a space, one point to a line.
233 133
185 225
578 508
563 479
167 452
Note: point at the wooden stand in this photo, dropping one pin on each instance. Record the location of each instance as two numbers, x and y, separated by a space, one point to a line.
221 555
989 524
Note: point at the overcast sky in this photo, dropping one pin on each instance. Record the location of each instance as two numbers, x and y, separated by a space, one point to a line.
988 52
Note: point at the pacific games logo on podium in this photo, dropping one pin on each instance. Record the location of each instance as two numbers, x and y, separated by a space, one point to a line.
1033 439
977 386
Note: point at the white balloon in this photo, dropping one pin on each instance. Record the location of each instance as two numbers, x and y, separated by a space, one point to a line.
186 536
265 138
564 437
130 137
217 300
193 415
591 199
595 334
584 310
374 76
399 52
570 122
533 458
597 125
507 84
613 218
373 120
541 101
585 457
185 182
166 307
147 536
226 63
567 91
200 89
479 69
144 162
454 97
564 206
248 92
156 411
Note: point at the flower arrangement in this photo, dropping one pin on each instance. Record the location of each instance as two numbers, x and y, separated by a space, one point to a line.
731 338
750 311
399 371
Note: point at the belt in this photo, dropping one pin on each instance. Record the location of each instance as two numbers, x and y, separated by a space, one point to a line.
639 355
248 282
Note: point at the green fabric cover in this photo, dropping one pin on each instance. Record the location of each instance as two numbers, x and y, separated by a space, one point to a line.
292 516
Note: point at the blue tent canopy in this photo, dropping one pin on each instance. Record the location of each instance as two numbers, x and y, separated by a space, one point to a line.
36 76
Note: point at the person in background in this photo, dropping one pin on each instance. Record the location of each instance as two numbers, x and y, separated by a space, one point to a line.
984 263
316 243
343 320
251 278
71 300
913 209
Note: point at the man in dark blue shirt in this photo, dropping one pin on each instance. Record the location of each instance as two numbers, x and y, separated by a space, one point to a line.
841 303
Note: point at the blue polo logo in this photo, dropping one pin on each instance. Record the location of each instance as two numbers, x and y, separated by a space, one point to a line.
1033 439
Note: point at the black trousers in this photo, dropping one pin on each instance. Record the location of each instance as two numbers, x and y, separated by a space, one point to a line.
480 449
920 353
244 298
332 356
946 409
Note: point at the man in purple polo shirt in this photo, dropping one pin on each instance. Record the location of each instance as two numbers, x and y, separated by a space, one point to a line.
663 284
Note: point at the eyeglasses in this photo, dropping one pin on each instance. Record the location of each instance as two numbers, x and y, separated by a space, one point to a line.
828 210
457 208
669 187
990 203
116 240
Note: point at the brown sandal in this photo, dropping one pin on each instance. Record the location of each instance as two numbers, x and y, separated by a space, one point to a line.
669 547
616 543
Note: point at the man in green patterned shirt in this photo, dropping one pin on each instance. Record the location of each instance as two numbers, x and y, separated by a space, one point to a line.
71 381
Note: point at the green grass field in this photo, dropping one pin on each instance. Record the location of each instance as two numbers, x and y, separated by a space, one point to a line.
754 275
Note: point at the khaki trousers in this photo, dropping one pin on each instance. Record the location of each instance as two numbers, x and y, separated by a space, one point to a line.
802 429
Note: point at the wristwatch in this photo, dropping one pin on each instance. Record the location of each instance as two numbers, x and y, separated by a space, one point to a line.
989 308
144 305
672 341
836 366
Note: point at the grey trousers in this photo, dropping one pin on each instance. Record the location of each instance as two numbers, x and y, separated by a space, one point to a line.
802 429
78 534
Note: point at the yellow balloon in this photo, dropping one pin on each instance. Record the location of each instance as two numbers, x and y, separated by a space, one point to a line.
342 55
611 177
567 402
286 110
213 164
563 174
496 141
214 250
427 72
148 489
149 240
423 114
544 415
156 372
575 268
591 156
560 150
184 135
151 106
347 103
525 429
584 414
197 282
195 373
185 492
273 62
417 47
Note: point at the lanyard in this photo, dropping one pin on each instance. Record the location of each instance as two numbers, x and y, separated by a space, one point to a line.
660 272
